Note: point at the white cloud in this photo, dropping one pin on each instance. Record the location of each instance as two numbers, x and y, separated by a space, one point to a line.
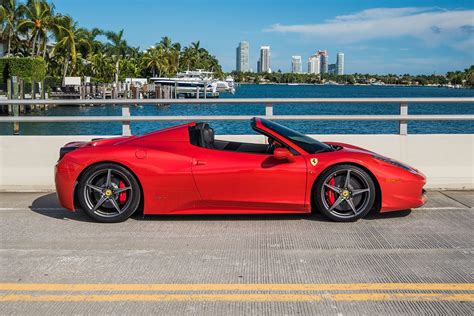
433 26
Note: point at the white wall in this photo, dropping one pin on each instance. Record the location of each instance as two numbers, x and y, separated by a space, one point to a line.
26 162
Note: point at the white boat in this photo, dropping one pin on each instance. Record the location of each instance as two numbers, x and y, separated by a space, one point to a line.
378 83
191 81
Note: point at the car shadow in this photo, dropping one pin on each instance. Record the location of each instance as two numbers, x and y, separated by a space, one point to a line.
229 217
379 216
48 205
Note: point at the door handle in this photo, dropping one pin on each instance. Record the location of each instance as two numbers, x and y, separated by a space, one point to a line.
198 162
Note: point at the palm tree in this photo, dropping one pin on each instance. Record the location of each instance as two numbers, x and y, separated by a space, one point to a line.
9 16
68 36
153 60
171 55
89 43
118 46
102 66
39 19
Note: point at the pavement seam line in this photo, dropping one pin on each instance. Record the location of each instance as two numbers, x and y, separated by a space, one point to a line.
239 297
450 197
238 287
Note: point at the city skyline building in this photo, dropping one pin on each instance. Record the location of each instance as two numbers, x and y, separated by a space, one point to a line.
324 58
242 57
314 65
340 64
263 64
296 64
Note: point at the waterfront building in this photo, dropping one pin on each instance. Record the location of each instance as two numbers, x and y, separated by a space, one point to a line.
242 57
340 64
324 58
264 61
332 69
296 66
314 65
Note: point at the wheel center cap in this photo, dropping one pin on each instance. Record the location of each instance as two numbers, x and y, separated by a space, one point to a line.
345 193
108 192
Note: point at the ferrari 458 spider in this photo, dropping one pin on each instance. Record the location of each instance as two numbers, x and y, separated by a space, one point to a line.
184 170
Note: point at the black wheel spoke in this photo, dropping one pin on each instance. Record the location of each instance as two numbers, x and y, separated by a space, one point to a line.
101 201
338 201
351 204
95 188
115 204
334 188
120 190
360 191
108 181
348 179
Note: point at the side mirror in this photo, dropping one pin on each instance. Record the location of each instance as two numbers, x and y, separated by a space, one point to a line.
281 153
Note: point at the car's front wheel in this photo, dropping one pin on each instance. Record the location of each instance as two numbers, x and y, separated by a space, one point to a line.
344 193
108 193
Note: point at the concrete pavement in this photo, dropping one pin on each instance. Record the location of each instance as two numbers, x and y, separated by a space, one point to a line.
412 262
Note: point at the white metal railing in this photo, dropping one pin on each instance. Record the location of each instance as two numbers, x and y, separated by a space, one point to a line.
126 117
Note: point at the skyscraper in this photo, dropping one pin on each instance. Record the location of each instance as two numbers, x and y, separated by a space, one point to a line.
313 64
332 69
296 66
264 59
340 64
323 57
242 57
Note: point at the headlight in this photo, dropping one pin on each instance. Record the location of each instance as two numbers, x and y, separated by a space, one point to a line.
395 163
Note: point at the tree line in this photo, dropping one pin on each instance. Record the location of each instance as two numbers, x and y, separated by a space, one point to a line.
35 29
465 78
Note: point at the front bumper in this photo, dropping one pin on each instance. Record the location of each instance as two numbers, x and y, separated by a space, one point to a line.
405 193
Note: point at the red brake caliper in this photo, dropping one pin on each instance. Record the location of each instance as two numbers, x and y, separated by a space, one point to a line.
330 193
123 195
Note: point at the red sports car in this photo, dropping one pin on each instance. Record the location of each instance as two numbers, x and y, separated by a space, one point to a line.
184 170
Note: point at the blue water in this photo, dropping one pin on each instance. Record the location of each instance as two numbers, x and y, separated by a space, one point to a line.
276 91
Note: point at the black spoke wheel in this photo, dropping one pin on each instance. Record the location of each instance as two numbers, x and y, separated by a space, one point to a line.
108 193
344 193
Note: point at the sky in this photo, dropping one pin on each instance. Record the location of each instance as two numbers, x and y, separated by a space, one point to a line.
383 36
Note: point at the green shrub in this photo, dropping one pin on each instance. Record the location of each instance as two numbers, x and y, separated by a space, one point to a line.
26 68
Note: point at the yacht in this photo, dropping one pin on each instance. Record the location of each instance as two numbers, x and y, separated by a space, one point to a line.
191 81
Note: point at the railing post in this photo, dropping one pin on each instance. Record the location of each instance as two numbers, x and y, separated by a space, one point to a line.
15 107
126 131
268 109
403 129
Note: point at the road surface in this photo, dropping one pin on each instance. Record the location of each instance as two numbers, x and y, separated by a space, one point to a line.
414 262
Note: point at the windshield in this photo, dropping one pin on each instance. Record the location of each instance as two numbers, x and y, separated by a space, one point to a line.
310 145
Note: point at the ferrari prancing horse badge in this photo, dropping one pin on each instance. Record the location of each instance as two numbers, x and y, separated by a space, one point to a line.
314 161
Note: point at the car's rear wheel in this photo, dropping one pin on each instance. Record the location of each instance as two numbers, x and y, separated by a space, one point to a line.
108 193
344 193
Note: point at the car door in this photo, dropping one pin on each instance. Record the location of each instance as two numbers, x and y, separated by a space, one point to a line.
247 182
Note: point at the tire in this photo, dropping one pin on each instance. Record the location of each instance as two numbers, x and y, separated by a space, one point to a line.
108 193
344 199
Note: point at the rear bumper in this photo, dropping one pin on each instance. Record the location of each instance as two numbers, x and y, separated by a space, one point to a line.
65 176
